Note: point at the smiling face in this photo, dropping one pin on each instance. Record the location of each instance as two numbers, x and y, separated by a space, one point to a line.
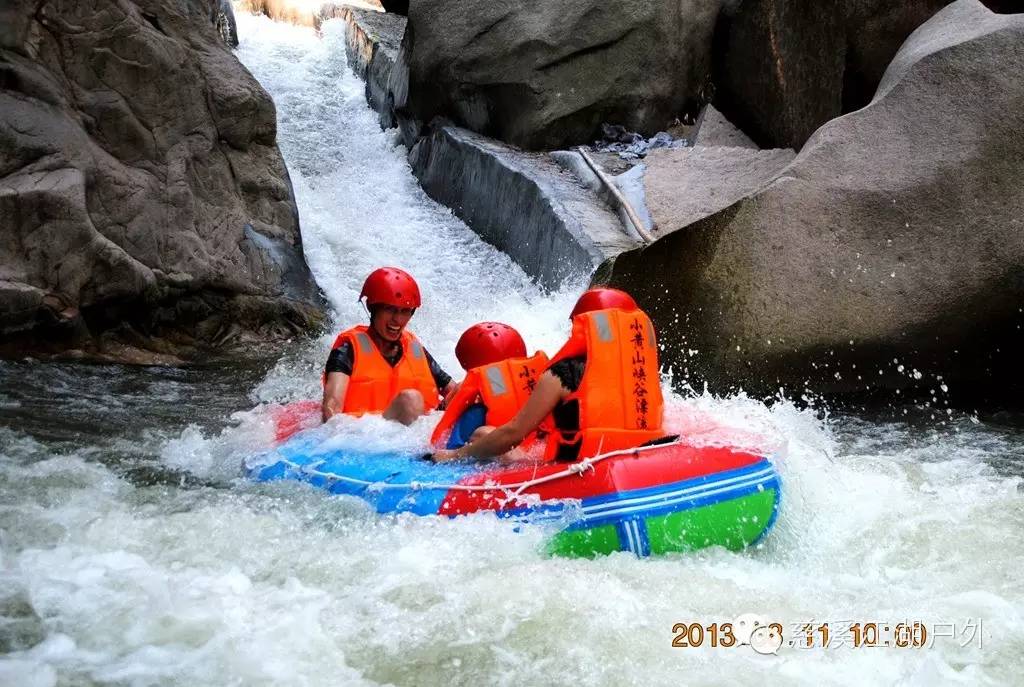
388 321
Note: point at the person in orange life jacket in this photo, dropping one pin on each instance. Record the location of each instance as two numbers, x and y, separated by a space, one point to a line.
383 368
499 380
602 388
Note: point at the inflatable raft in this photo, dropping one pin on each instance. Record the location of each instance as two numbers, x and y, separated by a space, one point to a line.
650 500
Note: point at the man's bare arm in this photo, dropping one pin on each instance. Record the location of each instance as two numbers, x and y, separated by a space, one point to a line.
542 401
334 394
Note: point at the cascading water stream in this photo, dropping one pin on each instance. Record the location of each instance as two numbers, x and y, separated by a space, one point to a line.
132 554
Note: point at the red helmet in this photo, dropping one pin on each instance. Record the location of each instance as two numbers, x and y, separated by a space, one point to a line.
391 286
488 342
601 299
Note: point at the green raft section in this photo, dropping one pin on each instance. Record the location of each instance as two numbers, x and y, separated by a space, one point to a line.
734 524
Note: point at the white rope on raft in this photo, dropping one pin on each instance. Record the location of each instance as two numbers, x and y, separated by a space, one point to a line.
574 469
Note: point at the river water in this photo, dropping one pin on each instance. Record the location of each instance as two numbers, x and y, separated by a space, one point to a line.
131 553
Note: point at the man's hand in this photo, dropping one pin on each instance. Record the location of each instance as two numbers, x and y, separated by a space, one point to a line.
450 391
514 457
444 456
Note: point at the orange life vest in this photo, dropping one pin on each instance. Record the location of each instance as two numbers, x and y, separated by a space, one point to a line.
503 387
619 396
374 383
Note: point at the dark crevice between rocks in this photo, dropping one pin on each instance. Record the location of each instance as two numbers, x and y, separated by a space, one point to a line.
1005 6
711 90
153 21
784 69
857 90
396 6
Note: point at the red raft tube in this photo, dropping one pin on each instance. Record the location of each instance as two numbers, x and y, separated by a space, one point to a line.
650 500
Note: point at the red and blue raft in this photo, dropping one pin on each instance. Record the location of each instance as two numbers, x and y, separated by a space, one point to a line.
651 500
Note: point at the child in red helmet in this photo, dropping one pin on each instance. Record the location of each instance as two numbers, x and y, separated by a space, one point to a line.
499 379
382 368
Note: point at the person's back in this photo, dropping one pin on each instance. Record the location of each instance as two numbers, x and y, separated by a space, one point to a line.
610 368
602 389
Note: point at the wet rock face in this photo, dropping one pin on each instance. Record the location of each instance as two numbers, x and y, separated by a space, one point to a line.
372 41
143 200
893 242
545 75
522 203
783 67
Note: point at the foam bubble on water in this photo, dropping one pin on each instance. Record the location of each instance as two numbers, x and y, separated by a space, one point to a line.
27 673
191 451
227 587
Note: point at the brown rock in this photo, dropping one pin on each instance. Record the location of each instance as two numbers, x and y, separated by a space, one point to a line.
544 75
893 242
139 174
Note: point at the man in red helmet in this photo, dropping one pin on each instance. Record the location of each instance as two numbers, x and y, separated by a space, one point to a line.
382 368
602 389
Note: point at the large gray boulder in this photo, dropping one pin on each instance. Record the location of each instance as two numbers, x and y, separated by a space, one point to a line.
889 253
684 185
543 75
143 200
